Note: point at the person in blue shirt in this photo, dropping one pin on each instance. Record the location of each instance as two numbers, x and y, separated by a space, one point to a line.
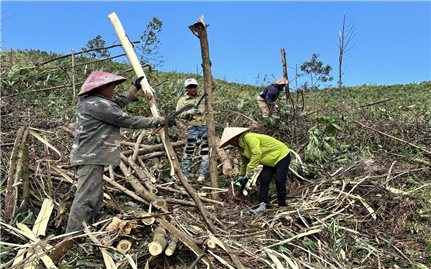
266 98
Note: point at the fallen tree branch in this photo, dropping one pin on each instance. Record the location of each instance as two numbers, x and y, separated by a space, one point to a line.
148 149
393 137
14 166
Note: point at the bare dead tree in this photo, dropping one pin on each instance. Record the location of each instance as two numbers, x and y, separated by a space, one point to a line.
199 29
345 38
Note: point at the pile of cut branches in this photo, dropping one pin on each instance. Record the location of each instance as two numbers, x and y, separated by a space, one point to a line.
356 217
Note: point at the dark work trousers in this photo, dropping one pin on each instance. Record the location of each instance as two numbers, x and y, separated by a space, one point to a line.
279 171
194 133
88 197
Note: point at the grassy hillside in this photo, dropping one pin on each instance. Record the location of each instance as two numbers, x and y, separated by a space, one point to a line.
371 142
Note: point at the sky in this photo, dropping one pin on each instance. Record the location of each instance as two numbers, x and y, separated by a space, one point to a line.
391 43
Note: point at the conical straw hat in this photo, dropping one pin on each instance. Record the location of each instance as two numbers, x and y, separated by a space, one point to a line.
229 133
97 79
281 81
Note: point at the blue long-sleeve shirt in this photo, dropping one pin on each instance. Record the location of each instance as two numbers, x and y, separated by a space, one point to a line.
270 94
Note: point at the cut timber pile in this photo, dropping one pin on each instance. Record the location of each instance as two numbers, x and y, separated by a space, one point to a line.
148 213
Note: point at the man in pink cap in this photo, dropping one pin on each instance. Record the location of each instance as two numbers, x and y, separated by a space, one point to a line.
99 118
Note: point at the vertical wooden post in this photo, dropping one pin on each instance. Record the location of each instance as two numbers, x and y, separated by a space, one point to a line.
199 30
175 165
286 76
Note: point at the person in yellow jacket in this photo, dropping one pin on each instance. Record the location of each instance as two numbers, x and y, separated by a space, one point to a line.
262 149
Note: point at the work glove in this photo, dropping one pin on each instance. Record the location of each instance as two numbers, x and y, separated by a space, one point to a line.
160 121
242 180
172 122
193 111
190 113
137 83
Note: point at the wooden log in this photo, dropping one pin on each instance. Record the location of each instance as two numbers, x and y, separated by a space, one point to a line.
14 166
210 243
137 144
124 246
159 242
160 204
24 176
137 186
180 202
125 190
172 246
199 29
140 173
147 149
235 163
190 242
146 88
227 168
151 155
185 193
149 220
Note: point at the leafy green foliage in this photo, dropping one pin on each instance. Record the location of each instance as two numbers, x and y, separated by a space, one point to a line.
95 43
316 71
149 50
323 148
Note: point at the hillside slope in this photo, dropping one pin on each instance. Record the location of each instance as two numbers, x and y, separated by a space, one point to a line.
365 201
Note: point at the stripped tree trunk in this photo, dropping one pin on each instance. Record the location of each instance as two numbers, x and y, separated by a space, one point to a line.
199 29
175 165
147 89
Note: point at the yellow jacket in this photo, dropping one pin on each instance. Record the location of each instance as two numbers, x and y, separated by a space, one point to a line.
260 149
198 119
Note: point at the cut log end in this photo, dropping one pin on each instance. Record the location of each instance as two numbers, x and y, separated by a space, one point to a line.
159 242
155 248
124 246
210 243
172 246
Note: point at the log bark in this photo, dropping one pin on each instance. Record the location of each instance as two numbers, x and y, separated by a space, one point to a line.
227 168
172 246
159 242
14 166
137 186
125 190
147 149
185 193
199 29
140 173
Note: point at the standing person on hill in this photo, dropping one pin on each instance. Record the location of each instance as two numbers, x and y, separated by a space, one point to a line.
266 98
197 129
262 149
99 118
